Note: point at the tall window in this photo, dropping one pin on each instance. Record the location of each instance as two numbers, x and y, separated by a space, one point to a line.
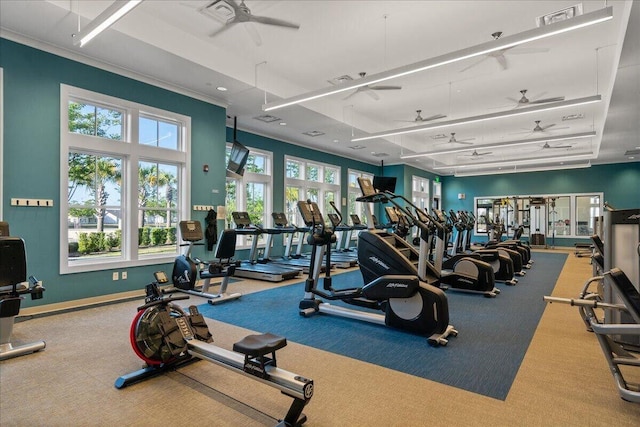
252 192
420 192
123 181
437 194
309 180
357 208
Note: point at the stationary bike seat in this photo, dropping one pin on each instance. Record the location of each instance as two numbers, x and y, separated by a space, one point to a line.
259 345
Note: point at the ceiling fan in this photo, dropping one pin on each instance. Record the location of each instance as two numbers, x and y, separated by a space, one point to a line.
542 129
499 54
524 101
475 155
229 13
547 146
420 119
453 140
369 90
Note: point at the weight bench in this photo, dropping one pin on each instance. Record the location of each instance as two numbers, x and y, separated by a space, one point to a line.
582 249
608 334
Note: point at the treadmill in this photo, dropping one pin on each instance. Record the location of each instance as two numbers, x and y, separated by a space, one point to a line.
252 268
281 225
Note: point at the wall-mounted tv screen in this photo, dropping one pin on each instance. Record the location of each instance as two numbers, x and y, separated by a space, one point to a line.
237 160
384 183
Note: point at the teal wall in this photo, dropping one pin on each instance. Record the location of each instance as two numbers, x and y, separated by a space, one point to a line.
31 166
620 184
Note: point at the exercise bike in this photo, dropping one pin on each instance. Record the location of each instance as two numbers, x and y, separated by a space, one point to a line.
391 284
13 285
186 269
166 337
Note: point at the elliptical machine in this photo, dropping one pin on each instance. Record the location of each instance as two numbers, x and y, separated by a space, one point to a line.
503 266
186 269
391 284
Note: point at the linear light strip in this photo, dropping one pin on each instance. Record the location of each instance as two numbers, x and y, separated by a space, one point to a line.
502 144
532 160
483 117
581 21
107 18
515 169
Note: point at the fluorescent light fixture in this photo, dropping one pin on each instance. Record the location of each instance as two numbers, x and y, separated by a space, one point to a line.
483 117
516 169
501 144
591 18
532 160
107 18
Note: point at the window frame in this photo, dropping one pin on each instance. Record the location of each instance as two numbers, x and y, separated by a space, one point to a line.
131 153
353 192
244 242
305 185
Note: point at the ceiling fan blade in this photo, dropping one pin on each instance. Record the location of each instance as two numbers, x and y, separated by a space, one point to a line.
371 93
547 126
385 87
253 33
560 146
350 95
463 142
434 117
220 30
474 64
544 101
273 21
485 154
527 50
502 61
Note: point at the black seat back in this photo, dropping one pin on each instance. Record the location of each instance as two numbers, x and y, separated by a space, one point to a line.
13 261
226 244
627 292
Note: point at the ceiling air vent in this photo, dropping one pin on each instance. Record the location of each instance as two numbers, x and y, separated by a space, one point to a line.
632 152
357 147
573 117
341 79
313 133
439 136
267 118
559 15
376 154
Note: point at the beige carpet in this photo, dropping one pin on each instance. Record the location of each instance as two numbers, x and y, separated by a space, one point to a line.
563 380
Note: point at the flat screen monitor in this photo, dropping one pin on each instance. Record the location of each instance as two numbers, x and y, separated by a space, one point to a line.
384 184
237 160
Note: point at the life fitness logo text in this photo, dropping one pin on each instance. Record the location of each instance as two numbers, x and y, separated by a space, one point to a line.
380 263
397 285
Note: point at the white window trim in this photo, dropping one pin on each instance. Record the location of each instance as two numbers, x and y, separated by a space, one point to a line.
131 155
305 184
356 190
264 178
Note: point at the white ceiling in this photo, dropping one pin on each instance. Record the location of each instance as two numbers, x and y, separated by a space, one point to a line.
168 43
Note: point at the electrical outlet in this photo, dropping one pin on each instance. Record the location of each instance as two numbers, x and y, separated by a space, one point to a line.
115 275
124 275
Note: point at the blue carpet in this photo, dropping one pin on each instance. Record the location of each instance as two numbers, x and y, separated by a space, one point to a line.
485 357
